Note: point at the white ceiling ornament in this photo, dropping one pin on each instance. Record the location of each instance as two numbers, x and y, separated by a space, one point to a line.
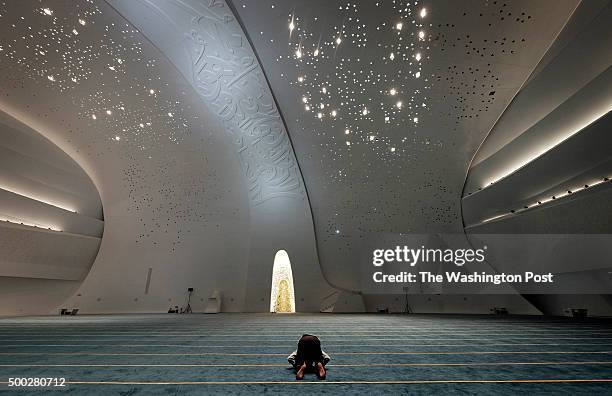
227 75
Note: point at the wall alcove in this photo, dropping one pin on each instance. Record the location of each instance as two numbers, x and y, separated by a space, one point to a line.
282 295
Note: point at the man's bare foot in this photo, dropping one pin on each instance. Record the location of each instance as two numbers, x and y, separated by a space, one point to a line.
300 373
320 371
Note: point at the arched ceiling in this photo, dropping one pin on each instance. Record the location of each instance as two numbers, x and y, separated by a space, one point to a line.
196 174
387 102
170 185
168 111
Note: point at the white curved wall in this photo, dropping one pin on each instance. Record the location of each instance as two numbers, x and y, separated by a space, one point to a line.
194 194
545 166
385 141
50 221
209 48
166 107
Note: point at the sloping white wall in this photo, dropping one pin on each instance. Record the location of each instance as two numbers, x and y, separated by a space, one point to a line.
50 221
207 45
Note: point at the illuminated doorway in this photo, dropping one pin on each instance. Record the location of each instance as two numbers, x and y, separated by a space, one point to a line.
282 297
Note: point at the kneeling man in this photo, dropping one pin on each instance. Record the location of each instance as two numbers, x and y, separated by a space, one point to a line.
309 356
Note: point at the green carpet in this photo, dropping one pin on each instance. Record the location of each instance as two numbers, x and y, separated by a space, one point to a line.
246 353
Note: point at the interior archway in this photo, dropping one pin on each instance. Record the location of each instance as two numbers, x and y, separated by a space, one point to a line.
282 295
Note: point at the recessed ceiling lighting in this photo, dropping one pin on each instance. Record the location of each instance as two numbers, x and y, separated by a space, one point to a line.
347 131
399 26
417 56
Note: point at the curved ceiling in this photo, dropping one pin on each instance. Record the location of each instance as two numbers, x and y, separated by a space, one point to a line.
196 175
545 168
387 101
553 139
220 133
